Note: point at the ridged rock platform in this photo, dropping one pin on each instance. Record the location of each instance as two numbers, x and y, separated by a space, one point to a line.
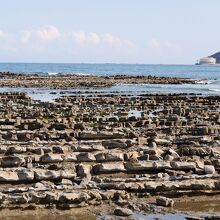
91 149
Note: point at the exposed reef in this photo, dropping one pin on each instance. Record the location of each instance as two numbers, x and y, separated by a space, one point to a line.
136 152
76 81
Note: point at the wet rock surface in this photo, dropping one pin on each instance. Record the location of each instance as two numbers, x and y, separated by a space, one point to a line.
74 81
88 150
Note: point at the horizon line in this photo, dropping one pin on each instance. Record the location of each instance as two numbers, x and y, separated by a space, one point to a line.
101 63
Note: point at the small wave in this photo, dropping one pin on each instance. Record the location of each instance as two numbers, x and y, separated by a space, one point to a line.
82 74
214 90
78 74
206 81
63 73
52 73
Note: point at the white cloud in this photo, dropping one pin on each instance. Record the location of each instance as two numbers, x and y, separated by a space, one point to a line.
84 38
3 34
35 37
48 33
93 38
80 37
25 36
154 44
112 40
87 39
7 41
48 41
161 44
170 45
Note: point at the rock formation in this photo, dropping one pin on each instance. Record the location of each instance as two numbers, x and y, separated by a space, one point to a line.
89 149
76 81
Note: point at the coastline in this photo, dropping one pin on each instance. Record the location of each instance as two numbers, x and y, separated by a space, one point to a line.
192 207
118 151
68 81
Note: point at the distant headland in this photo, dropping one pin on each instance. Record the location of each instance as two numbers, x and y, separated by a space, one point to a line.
210 60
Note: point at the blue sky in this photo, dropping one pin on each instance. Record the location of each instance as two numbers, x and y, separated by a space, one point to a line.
118 31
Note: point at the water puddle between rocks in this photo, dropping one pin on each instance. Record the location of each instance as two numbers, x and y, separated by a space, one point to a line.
183 209
199 206
160 217
48 217
135 113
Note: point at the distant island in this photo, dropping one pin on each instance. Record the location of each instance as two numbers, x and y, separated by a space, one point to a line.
210 60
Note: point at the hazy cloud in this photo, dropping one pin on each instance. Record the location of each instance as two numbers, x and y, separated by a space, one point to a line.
82 46
52 33
25 36
156 44
3 34
7 41
112 40
106 39
94 38
48 33
80 37
84 38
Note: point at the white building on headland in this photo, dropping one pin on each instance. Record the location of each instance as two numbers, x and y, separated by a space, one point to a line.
207 61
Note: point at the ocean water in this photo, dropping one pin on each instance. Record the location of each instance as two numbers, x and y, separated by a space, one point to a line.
209 77
188 71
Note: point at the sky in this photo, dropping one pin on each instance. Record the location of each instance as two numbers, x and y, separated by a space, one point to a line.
109 31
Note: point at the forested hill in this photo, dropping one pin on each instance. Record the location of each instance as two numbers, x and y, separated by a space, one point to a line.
216 56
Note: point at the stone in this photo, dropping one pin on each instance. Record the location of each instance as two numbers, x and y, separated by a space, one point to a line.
212 217
183 165
51 158
85 157
153 145
147 166
88 147
57 150
194 218
152 151
58 126
199 151
13 161
209 169
66 182
111 144
74 197
108 168
41 174
84 170
70 157
15 176
122 212
19 198
163 201
168 157
131 156
161 141
109 156
91 135
16 150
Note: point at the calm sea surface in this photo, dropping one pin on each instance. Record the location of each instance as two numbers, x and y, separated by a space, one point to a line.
188 71
209 76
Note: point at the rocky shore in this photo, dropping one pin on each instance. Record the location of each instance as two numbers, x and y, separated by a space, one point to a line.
133 153
67 81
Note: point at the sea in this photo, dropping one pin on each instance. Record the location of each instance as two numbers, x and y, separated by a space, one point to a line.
208 76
